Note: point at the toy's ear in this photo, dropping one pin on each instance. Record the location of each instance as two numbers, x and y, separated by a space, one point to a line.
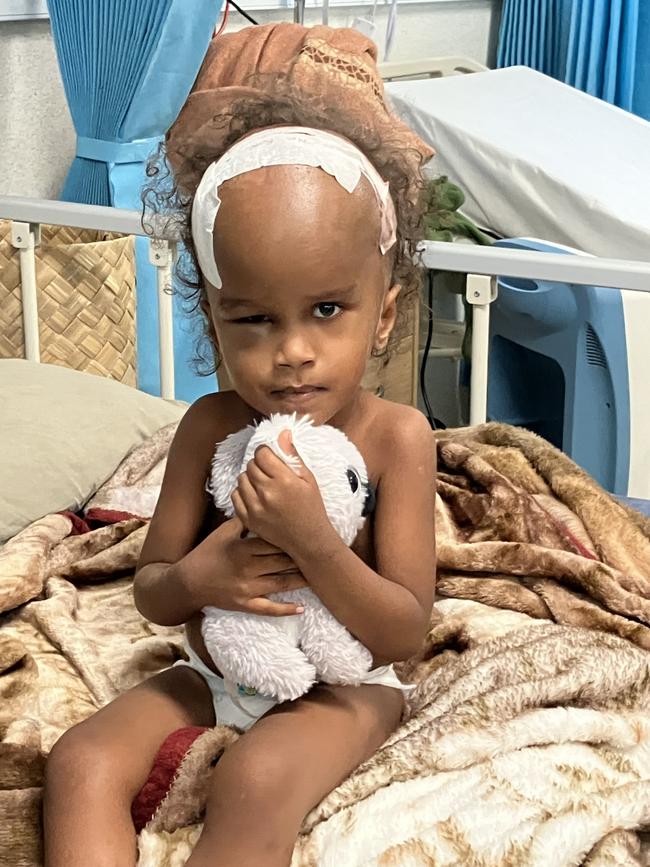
226 467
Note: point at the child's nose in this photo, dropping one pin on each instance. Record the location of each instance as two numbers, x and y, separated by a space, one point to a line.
295 350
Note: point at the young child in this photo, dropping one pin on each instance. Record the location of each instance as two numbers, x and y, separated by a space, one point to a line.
303 260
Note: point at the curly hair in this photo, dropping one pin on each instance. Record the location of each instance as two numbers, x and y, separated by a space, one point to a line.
167 197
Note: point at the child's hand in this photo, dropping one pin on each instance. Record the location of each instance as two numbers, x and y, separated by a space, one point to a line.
237 574
277 503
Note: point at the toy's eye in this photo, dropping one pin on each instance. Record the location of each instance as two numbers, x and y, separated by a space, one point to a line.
353 478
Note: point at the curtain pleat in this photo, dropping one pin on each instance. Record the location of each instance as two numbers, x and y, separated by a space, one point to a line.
127 67
104 49
526 35
641 100
602 53
594 45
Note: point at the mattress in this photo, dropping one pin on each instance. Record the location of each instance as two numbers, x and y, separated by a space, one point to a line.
640 505
538 158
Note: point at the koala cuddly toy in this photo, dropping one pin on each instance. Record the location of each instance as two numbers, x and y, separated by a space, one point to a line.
282 657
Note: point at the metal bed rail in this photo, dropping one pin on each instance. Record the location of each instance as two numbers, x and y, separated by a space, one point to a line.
428 67
482 265
27 215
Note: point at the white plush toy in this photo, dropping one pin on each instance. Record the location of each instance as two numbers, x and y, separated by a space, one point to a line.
282 657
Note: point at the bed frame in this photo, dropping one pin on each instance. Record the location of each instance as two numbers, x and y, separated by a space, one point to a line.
482 265
26 216
428 67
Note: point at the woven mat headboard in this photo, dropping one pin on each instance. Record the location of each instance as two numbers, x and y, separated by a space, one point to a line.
86 300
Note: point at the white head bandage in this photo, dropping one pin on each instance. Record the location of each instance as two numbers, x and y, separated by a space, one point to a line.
281 146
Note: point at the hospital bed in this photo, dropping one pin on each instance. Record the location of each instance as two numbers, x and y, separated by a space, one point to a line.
514 184
481 265
89 644
539 159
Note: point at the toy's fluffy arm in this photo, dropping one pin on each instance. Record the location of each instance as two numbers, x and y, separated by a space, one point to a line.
257 651
387 610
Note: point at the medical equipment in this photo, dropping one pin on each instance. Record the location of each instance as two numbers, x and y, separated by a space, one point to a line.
570 363
536 157
482 266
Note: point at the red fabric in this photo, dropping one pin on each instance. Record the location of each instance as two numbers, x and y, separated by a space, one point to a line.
86 522
573 539
584 552
109 516
166 764
79 526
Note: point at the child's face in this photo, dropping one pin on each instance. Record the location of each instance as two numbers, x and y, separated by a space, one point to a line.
306 292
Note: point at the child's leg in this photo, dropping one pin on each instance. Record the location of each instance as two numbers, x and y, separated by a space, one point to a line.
265 783
96 768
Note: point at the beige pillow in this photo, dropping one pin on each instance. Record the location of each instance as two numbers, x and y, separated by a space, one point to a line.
62 434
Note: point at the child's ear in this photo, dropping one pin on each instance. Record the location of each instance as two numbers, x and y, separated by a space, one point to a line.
387 318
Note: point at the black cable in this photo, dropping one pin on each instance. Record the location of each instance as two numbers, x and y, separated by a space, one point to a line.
425 355
245 14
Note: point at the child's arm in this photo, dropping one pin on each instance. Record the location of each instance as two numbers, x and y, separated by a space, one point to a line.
162 594
388 610
178 573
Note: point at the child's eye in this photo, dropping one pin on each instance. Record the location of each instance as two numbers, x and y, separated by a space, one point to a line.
251 320
326 310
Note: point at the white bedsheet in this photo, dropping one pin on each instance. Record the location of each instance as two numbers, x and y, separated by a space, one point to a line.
538 158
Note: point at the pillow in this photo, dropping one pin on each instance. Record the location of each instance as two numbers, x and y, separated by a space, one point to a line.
62 434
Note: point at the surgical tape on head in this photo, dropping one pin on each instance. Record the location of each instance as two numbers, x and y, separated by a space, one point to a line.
284 145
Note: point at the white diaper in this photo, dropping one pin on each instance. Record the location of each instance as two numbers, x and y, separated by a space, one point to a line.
241 706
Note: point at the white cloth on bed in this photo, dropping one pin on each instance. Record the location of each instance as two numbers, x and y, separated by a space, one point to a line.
536 157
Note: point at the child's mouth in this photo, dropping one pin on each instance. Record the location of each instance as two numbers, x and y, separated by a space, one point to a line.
297 394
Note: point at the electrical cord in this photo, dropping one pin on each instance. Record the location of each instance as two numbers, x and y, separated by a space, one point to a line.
226 11
242 13
427 346
433 421
224 20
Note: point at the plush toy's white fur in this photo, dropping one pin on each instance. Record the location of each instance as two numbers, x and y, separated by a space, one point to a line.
282 657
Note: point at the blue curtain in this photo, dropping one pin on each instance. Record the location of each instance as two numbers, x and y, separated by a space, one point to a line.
601 57
593 45
641 102
127 67
529 34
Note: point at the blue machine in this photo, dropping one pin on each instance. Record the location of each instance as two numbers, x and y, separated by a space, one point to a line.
559 367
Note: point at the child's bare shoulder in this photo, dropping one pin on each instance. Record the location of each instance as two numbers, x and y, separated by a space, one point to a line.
208 421
214 416
395 437
397 425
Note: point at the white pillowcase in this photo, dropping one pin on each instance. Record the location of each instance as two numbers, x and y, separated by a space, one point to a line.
62 434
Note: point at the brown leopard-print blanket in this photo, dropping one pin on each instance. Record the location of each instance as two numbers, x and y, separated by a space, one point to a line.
527 741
